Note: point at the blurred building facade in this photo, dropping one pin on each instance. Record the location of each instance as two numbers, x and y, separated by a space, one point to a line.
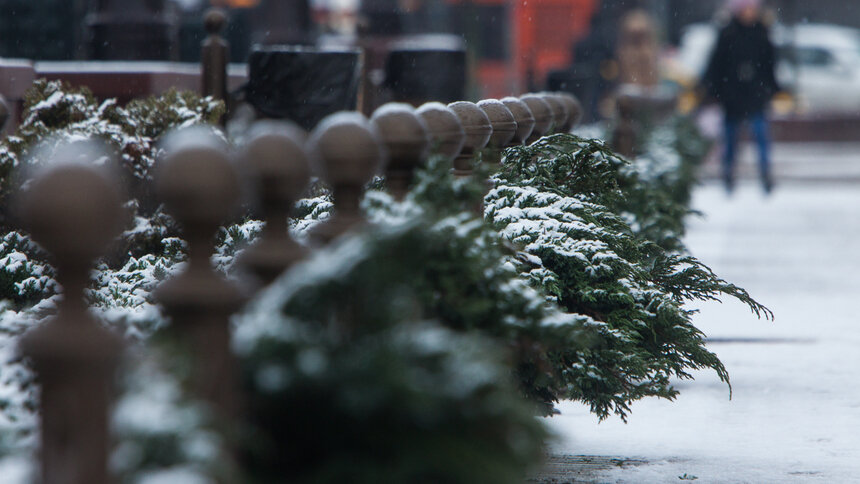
513 45
59 29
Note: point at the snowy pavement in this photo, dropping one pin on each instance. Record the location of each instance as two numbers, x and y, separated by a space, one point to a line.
821 162
794 415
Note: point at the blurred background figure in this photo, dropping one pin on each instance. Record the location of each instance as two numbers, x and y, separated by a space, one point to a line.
594 65
638 50
741 77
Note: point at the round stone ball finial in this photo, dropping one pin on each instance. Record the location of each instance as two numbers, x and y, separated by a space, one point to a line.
502 120
574 109
347 149
478 129
524 118
348 152
73 209
214 21
560 113
475 123
405 137
542 113
196 179
504 128
446 131
275 153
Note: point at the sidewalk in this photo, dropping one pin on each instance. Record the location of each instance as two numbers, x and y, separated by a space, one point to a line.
809 162
795 411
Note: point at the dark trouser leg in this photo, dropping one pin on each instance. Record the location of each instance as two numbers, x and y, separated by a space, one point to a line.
730 135
761 131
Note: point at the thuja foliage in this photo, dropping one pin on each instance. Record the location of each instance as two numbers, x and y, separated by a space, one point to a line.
412 404
429 323
148 251
351 373
55 114
25 278
463 273
682 140
399 354
568 203
161 434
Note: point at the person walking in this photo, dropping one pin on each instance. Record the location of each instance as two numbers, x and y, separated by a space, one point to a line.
741 77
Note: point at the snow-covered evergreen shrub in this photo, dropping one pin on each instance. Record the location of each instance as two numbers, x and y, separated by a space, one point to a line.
59 113
581 297
161 434
412 341
56 114
463 272
563 201
148 250
682 144
351 376
657 182
25 279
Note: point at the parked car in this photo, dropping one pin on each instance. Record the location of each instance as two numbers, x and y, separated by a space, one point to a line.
819 64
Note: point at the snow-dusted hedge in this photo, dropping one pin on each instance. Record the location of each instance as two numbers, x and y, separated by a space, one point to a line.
146 253
568 203
388 358
399 354
574 286
55 114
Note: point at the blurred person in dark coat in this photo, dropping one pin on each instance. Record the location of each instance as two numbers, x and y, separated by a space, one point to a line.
740 76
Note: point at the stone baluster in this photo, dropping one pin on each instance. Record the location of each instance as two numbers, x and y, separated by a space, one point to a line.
477 128
504 129
347 154
215 55
524 118
74 211
446 131
542 113
405 137
276 160
198 184
574 109
559 111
